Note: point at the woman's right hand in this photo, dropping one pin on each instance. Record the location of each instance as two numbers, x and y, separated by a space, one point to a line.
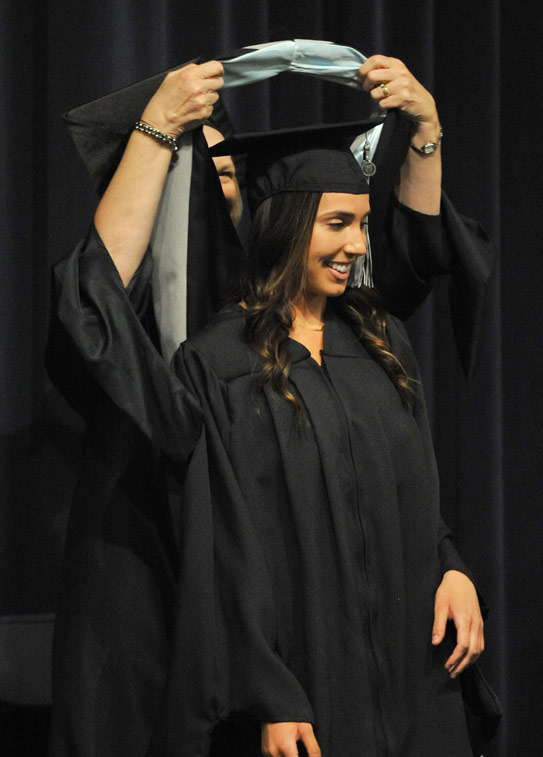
185 98
281 739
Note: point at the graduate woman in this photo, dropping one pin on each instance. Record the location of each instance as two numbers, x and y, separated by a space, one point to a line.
282 575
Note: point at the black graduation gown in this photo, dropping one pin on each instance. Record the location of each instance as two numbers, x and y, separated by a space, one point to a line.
283 572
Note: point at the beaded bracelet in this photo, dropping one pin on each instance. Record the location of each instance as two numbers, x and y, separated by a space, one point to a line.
160 136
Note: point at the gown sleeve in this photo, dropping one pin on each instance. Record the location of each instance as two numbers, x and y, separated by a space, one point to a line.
98 346
449 557
416 248
257 683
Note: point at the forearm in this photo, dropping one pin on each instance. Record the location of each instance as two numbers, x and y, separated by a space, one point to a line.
126 214
419 186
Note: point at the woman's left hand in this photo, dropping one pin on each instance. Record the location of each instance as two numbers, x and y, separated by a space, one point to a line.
392 85
456 599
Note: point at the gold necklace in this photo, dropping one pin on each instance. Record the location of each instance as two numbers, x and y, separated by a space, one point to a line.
307 325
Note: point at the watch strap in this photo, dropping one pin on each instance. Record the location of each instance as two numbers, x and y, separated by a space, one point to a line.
429 147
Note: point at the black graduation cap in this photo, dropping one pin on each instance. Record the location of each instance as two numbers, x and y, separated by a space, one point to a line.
272 163
314 158
100 129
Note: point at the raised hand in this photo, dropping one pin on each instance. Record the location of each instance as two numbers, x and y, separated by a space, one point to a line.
392 85
185 98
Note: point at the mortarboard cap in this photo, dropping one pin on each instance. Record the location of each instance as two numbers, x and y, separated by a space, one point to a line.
306 159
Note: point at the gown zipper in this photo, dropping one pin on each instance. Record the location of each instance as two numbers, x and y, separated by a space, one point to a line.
370 611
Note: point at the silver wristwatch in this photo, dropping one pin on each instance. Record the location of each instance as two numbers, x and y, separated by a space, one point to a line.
429 147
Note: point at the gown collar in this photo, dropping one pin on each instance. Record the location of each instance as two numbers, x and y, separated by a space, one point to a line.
339 339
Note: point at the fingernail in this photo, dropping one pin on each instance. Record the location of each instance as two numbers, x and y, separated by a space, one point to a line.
435 637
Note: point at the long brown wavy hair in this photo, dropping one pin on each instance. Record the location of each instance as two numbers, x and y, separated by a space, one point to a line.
275 277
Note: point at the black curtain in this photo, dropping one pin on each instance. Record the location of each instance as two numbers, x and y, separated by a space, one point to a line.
479 60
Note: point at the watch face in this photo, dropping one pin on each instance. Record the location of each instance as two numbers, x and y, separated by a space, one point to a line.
428 148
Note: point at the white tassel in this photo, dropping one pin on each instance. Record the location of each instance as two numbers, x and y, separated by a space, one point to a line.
362 268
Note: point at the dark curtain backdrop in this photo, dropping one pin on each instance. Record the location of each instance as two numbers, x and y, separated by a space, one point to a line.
479 59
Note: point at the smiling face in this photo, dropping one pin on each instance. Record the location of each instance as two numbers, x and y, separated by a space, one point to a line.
338 238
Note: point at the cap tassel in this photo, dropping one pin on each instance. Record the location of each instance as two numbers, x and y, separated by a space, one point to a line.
362 268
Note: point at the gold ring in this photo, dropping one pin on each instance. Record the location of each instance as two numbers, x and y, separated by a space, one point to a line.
385 89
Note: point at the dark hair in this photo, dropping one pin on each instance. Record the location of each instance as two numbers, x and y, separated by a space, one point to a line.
275 277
